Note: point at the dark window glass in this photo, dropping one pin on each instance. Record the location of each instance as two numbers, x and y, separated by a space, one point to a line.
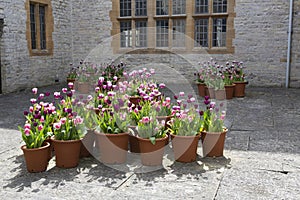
42 27
125 8
141 7
162 7
201 6
141 33
32 26
201 33
162 33
220 6
126 34
219 32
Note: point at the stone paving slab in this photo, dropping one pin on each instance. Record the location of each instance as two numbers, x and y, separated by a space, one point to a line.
262 159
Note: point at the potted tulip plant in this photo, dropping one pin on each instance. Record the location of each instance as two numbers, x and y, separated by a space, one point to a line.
185 129
239 79
213 131
112 134
152 139
35 132
68 131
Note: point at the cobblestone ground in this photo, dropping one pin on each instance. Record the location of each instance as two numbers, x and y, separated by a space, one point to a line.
262 159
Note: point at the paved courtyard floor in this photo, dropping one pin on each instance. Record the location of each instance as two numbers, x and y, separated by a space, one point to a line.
261 159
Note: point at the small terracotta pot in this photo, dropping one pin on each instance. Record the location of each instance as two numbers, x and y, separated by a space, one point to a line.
239 89
229 89
213 143
152 155
87 144
83 87
220 94
185 147
67 152
135 100
36 159
211 93
112 147
201 89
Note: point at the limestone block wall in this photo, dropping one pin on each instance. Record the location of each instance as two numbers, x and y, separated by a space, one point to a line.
295 59
19 70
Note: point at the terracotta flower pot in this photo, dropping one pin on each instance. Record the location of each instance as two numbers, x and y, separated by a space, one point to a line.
112 147
211 93
201 89
152 155
51 149
239 89
134 146
220 94
87 144
185 147
67 152
36 159
83 87
213 143
229 89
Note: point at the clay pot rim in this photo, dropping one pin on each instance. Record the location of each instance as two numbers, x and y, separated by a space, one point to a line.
156 139
66 141
241 82
225 130
38 148
185 136
110 134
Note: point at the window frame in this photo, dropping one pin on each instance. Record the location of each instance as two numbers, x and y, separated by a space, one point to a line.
45 47
190 16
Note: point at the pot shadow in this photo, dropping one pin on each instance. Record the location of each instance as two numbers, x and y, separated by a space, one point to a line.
196 169
107 175
53 176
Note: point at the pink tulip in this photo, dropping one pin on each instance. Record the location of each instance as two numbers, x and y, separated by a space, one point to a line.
57 125
64 90
42 119
34 90
27 131
71 85
63 120
27 125
145 120
40 127
33 100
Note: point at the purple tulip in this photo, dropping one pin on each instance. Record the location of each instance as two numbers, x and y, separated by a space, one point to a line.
26 112
69 110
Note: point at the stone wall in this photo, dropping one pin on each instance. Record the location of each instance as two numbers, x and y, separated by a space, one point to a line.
82 30
295 64
19 70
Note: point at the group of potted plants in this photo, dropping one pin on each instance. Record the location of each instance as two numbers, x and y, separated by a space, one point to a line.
221 81
119 114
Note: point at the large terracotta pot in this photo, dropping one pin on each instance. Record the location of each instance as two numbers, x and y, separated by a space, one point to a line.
87 144
201 89
112 147
239 89
220 94
213 143
152 154
211 93
36 159
229 89
135 100
185 147
67 152
83 87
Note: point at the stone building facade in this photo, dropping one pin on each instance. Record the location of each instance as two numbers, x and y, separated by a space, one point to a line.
85 30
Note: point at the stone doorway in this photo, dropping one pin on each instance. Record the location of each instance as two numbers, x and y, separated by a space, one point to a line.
1 31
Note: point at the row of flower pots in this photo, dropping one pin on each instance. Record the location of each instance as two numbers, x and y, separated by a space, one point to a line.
237 89
133 109
113 149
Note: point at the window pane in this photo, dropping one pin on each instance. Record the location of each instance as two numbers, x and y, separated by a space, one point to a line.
126 34
219 32
201 6
162 36
140 7
178 7
178 33
42 27
125 8
201 33
220 6
162 7
141 34
32 26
